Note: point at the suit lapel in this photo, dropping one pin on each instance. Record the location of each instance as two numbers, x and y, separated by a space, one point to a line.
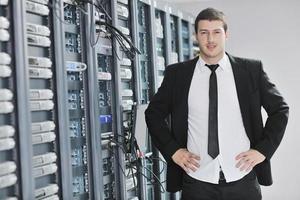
188 72
241 78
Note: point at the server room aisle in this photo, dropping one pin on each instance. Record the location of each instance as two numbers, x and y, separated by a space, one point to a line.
75 79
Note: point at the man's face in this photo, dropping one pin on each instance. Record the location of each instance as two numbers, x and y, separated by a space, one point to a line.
211 37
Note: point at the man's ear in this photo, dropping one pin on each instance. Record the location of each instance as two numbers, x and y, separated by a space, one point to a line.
226 35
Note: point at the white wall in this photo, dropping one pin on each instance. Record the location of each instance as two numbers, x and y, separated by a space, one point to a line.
270 30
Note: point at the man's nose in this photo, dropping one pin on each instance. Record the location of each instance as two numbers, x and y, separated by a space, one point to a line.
210 37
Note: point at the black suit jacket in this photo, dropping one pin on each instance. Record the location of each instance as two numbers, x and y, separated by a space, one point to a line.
254 91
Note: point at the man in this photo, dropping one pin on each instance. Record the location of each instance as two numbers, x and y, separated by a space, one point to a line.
218 147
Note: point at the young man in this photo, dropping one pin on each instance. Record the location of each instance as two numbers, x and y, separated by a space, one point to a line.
218 147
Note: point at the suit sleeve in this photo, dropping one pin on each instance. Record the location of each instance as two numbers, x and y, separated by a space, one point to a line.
277 110
158 110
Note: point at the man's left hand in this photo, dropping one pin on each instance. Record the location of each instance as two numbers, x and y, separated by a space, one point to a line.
247 160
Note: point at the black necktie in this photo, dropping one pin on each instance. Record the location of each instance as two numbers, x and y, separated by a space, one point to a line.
213 142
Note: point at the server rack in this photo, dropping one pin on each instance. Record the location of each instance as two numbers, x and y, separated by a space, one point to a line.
176 47
126 91
146 79
75 92
105 69
82 100
42 95
10 151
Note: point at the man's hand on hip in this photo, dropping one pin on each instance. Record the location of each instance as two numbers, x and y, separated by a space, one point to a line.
247 160
186 160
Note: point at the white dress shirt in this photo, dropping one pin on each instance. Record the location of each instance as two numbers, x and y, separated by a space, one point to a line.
231 132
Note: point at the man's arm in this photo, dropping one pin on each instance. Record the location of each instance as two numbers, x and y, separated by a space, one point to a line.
277 110
159 108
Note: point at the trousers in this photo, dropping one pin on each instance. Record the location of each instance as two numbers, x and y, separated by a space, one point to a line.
246 188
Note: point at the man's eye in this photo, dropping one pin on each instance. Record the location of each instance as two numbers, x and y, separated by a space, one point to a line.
203 32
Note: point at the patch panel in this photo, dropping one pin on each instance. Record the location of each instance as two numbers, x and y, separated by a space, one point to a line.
41 62
160 63
5 58
73 42
43 192
75 128
6 107
125 73
37 40
71 13
159 32
37 29
41 105
42 126
73 106
127 93
4 23
44 170
37 8
109 191
125 62
122 11
77 157
41 138
4 35
40 73
78 185
3 2
44 159
5 95
40 94
7 167
5 71
8 180
7 144
72 96
127 104
104 76
6 131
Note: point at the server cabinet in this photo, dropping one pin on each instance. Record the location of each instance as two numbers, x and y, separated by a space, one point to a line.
104 53
82 100
42 98
125 97
10 166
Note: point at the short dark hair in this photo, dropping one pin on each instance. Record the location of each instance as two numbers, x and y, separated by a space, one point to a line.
211 14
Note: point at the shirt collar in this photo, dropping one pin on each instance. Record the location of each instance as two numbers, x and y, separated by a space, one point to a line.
223 63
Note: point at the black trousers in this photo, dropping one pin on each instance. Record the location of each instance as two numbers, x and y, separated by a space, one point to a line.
246 188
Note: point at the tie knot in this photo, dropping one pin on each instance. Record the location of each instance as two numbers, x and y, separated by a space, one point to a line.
212 67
